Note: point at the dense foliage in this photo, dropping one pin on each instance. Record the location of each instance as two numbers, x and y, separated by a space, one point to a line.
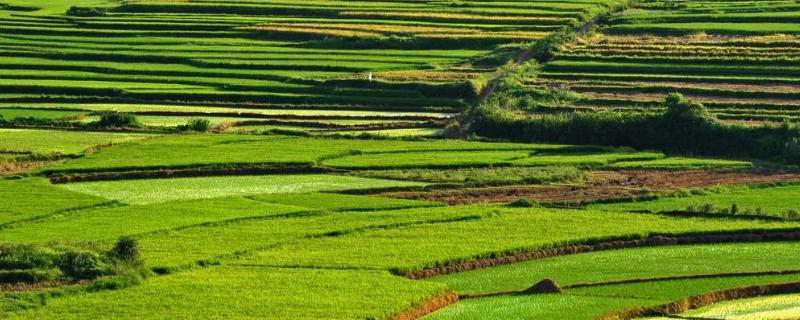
684 126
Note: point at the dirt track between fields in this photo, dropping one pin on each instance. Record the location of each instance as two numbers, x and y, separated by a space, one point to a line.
427 307
604 185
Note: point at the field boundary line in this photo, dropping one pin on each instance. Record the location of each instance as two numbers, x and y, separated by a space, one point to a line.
639 280
694 302
620 243
188 173
428 306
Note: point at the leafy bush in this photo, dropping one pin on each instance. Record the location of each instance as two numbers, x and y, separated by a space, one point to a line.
81 265
113 119
32 263
127 249
196 125
86 12
23 256
524 203
685 127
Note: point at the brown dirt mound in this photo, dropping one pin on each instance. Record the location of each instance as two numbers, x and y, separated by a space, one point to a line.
544 286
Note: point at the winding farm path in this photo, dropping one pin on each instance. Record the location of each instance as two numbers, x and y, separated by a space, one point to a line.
492 85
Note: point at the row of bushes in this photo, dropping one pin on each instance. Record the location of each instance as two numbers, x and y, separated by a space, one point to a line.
31 263
108 120
685 127
735 210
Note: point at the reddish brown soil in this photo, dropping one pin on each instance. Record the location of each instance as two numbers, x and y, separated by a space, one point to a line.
427 307
19 167
603 185
25 287
660 180
542 193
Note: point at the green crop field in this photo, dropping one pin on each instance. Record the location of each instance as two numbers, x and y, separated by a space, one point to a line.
399 160
773 201
739 59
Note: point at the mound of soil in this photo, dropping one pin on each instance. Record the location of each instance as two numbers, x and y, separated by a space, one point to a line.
544 286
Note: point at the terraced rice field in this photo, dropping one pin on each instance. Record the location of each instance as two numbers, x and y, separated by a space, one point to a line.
267 159
737 58
343 56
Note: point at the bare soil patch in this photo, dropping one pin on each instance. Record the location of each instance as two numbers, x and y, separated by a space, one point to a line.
604 185
427 307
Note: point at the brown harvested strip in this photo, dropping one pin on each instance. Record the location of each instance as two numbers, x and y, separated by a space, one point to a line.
26 287
748 236
548 194
702 300
605 185
669 181
8 169
600 185
427 307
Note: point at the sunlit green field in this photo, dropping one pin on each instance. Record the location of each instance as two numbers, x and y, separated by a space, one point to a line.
269 159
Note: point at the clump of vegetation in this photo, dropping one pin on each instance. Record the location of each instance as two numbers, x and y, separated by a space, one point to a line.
482 176
196 125
86 12
524 203
791 214
30 264
684 127
113 119
734 210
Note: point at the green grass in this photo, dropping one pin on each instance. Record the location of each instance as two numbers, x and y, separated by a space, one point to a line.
587 159
683 163
109 223
228 292
28 198
593 302
59 142
769 307
481 176
11 114
499 231
771 201
425 159
165 190
394 133
340 202
231 150
225 242
628 264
